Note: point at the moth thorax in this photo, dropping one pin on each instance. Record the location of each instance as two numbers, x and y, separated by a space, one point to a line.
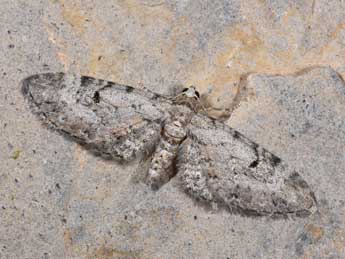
175 130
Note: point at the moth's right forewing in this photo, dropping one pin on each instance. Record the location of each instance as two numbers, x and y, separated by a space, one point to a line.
218 164
114 120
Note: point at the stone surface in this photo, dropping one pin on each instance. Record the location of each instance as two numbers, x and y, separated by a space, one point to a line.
279 63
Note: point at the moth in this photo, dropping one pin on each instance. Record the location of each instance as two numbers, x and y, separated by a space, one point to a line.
214 163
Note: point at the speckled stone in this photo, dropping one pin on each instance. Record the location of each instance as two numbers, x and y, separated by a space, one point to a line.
277 64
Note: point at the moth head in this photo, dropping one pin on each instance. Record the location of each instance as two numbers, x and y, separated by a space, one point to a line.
191 92
189 96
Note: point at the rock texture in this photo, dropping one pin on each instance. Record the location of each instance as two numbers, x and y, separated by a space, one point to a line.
278 65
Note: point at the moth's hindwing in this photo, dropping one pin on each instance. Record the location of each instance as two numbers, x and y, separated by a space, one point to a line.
219 165
117 121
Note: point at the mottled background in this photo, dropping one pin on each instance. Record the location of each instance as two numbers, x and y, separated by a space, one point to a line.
277 65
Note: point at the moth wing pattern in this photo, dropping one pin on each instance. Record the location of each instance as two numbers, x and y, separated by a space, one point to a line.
220 166
215 163
114 120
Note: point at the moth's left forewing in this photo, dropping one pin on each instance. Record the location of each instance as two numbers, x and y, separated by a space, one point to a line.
219 165
114 120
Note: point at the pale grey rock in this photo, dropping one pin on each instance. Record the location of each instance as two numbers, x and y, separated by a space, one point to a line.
59 201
